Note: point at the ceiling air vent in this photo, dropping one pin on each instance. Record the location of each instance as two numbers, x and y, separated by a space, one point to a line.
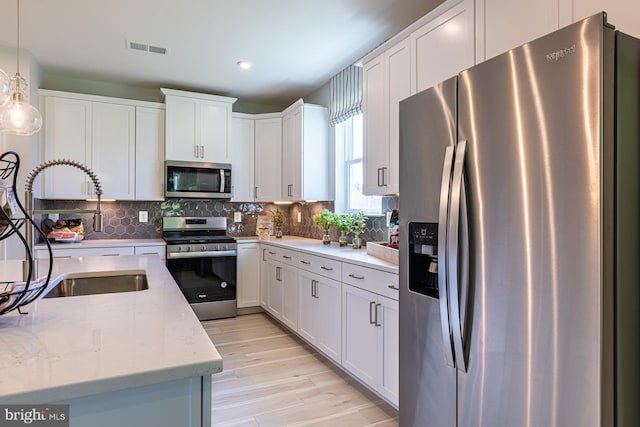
138 46
146 48
156 49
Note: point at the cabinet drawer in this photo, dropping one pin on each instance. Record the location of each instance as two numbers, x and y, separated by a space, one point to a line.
284 256
323 266
78 252
380 282
150 250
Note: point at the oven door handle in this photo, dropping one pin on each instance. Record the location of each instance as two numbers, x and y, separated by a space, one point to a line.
205 254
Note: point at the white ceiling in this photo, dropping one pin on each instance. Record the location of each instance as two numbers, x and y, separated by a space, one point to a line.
295 46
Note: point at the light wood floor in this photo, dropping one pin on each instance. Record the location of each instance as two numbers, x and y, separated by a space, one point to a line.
272 378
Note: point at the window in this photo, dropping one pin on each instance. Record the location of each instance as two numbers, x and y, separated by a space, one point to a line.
350 169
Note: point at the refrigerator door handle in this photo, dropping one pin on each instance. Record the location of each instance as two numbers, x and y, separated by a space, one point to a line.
442 255
454 258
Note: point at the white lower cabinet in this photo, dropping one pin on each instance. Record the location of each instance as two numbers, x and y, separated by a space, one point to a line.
319 308
348 312
281 292
248 279
86 249
370 339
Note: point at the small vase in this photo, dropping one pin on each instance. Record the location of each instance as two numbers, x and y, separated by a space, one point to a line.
278 233
357 242
342 241
326 240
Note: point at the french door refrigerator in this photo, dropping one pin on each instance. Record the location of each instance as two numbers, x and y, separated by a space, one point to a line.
519 233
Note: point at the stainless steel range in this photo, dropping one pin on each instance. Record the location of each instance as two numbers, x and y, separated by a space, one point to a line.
202 259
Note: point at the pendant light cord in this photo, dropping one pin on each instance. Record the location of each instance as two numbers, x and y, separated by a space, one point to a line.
18 37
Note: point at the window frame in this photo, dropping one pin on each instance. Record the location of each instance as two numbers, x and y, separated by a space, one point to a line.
344 161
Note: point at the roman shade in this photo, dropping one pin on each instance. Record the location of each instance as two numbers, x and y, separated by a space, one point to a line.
346 94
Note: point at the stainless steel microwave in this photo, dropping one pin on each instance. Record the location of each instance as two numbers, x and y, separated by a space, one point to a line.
197 180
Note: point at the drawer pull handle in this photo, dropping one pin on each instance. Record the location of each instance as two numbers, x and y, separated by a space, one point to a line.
286 257
110 254
356 276
271 253
305 262
62 256
148 253
326 268
394 287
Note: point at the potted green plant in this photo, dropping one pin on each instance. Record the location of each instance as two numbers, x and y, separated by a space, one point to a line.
343 222
358 222
325 219
278 222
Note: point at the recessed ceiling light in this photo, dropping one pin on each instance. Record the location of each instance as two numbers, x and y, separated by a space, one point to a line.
245 65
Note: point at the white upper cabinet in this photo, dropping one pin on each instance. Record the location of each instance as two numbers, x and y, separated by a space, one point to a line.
268 157
305 152
386 81
67 135
198 126
242 158
443 47
121 140
149 153
113 136
621 13
508 24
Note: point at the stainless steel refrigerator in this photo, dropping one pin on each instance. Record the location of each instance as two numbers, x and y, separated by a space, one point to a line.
519 214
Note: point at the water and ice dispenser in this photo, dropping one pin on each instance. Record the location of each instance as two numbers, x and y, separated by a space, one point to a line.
423 258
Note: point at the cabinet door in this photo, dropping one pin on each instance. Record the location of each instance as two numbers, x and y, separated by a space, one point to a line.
113 136
248 275
360 334
67 136
398 79
621 13
268 160
274 289
264 279
509 24
181 128
443 47
213 130
149 153
289 278
242 159
375 142
306 306
329 317
292 155
388 348
314 181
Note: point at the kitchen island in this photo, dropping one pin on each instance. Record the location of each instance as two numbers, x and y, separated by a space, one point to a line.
129 358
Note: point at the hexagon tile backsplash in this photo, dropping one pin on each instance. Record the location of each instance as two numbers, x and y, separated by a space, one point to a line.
121 217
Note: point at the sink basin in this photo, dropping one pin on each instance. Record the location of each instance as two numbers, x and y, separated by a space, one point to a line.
99 283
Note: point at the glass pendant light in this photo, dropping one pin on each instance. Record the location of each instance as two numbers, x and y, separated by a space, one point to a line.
17 116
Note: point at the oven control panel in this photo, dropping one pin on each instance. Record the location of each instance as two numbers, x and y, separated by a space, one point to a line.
200 248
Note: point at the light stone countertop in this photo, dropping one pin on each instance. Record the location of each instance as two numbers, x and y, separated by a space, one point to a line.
315 247
72 347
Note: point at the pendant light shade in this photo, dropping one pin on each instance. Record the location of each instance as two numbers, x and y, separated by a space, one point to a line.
17 116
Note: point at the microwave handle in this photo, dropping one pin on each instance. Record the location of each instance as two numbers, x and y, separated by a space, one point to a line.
222 180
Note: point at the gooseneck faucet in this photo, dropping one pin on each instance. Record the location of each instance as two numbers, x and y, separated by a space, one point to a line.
28 201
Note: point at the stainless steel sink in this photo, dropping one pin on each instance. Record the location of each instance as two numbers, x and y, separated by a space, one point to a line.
99 283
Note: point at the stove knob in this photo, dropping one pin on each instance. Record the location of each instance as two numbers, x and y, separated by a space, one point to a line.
187 248
179 249
204 248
